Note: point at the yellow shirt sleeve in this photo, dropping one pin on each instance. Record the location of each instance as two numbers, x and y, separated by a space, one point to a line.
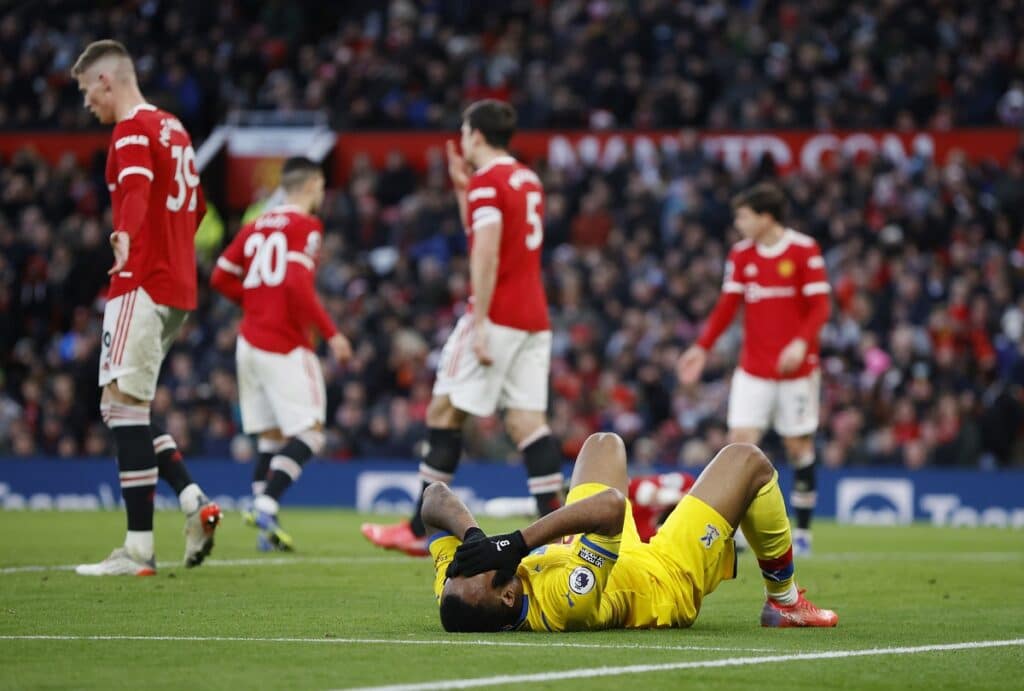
442 548
570 588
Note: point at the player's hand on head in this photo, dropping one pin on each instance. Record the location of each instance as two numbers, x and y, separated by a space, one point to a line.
691 364
120 242
498 552
458 169
340 347
474 534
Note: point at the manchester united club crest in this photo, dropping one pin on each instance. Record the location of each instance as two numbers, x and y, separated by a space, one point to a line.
786 268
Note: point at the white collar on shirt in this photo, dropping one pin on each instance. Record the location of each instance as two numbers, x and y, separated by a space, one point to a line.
135 111
499 160
770 251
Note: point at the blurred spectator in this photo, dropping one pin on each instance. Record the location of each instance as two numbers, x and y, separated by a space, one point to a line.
570 64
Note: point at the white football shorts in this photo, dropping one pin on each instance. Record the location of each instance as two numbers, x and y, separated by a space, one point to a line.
517 378
279 390
789 405
137 333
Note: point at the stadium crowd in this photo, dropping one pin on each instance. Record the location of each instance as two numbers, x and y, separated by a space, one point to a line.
746 64
923 356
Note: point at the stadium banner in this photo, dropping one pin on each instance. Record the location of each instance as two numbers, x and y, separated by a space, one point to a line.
254 154
881 496
809 151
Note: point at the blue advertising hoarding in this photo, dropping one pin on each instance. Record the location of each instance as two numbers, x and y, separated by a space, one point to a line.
880 496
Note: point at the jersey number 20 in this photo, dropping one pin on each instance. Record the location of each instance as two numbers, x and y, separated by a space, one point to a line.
186 179
269 256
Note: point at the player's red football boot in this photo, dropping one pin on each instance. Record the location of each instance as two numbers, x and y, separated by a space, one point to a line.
398 537
801 613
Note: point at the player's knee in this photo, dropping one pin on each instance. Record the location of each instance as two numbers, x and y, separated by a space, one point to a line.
606 446
799 451
313 438
273 436
748 460
525 426
112 394
442 414
116 413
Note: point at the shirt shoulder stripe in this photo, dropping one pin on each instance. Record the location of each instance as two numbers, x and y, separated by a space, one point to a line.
229 266
482 193
589 544
134 170
300 258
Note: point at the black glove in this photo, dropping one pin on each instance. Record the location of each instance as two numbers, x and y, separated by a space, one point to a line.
473 534
499 552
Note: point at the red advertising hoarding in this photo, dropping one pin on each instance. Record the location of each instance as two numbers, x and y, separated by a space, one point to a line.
803 150
251 173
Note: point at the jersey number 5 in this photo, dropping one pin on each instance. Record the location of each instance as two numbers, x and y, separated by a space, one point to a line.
536 237
186 178
269 256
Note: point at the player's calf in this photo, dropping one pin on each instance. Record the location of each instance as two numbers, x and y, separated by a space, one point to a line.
285 468
137 471
543 459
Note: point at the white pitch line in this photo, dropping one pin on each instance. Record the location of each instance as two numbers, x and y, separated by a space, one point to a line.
384 641
364 559
589 672
268 561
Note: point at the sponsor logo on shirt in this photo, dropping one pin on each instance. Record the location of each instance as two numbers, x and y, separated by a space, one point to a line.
596 559
710 535
131 140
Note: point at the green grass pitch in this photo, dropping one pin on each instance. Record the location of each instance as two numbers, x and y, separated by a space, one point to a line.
339 614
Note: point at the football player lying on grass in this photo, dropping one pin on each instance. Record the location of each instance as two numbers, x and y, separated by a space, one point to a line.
584 567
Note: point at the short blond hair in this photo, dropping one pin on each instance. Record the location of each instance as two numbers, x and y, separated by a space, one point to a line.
96 51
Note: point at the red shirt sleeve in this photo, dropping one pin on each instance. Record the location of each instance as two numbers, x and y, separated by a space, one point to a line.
133 164
483 202
230 269
300 282
728 303
815 288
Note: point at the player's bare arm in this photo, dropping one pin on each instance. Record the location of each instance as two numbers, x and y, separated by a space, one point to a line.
483 270
602 514
444 511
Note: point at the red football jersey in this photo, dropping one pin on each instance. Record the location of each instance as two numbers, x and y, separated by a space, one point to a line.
508 192
785 293
270 268
156 198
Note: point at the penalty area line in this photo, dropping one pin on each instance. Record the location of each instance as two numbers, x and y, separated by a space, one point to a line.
380 641
591 672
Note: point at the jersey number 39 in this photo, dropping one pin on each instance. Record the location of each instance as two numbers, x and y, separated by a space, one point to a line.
186 178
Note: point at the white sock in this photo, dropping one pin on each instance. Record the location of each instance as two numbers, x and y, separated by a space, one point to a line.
259 487
787 598
189 498
140 543
265 504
